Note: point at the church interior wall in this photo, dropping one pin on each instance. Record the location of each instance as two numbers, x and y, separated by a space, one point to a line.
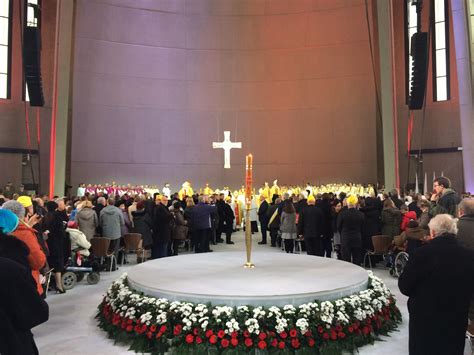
12 111
442 120
156 82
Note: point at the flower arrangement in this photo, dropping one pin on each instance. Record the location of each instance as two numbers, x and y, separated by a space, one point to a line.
156 325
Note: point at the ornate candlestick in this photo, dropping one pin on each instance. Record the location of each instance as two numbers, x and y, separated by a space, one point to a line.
248 203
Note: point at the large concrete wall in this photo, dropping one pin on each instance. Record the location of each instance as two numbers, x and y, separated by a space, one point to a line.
156 82
12 111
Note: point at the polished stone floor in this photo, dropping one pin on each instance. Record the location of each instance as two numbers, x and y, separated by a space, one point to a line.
72 329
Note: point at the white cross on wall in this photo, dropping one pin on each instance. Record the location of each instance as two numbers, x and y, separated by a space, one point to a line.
227 145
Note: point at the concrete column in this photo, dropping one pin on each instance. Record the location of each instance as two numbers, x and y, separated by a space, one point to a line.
464 48
387 95
59 133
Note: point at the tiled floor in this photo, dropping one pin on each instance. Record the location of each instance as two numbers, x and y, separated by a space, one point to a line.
72 329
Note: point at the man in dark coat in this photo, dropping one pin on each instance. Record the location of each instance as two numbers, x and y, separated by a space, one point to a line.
350 224
439 281
228 220
21 308
202 217
326 241
161 229
273 215
311 227
263 219
220 205
465 238
445 199
395 198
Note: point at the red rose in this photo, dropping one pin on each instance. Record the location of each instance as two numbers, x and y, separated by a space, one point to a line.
272 334
209 333
158 335
325 336
123 325
283 335
295 343
149 335
350 329
311 342
333 335
153 328
248 342
221 334
341 335
225 343
357 324
338 328
212 339
320 329
308 333
368 321
129 328
246 333
129 321
163 328
198 340
195 331
281 345
274 342
262 336
234 334
137 329
366 330
262 345
177 329
293 333
234 342
189 338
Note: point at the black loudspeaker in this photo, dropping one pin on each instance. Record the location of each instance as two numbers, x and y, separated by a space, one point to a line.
32 65
419 52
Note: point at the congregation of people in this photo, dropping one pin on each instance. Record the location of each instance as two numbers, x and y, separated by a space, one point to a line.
437 232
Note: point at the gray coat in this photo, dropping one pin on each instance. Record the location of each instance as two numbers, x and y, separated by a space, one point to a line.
87 221
288 222
111 221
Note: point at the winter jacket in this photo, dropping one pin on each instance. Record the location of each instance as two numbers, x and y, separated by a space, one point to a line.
79 241
350 223
162 220
201 216
275 223
391 220
288 223
465 234
36 256
127 226
439 281
87 221
410 215
21 308
447 203
143 224
180 230
111 222
311 222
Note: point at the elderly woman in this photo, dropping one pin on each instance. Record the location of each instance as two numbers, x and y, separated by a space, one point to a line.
439 281
23 232
87 220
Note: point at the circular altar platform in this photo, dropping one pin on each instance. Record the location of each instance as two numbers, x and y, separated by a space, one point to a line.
219 278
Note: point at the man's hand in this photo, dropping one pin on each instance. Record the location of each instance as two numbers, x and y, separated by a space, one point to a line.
35 219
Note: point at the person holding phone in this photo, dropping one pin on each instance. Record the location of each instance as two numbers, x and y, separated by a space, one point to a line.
443 199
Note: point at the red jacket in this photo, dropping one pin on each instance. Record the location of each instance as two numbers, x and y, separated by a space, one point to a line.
406 218
36 257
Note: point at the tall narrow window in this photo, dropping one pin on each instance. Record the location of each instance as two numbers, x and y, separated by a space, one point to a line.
32 20
5 40
441 87
411 22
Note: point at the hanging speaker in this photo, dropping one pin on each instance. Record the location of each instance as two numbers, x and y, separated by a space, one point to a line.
32 65
419 52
